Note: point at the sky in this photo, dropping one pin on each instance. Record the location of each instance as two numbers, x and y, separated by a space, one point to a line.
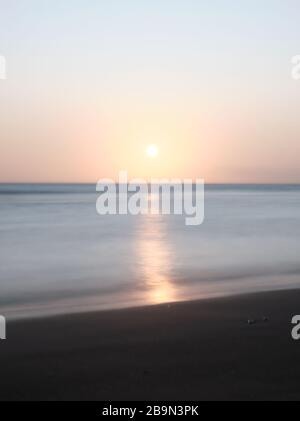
90 84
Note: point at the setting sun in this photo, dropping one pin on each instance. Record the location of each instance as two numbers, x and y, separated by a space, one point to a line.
152 151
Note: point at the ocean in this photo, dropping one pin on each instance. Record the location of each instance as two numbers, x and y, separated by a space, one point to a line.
57 255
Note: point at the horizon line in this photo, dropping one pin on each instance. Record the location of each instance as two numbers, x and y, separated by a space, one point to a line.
74 183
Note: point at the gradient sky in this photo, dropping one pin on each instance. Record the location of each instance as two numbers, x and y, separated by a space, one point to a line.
92 83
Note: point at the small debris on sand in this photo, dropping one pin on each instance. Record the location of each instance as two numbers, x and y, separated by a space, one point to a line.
259 320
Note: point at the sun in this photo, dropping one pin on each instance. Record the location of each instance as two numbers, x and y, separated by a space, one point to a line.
152 151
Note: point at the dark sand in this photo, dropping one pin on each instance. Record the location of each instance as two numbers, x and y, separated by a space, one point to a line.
201 350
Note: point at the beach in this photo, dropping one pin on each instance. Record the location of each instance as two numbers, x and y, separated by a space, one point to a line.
197 350
149 202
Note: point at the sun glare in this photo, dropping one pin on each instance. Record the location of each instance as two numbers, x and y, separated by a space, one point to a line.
152 151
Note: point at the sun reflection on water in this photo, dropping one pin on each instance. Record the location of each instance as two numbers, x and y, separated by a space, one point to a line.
155 260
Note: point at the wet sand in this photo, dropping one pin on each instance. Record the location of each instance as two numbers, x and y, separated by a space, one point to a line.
202 350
